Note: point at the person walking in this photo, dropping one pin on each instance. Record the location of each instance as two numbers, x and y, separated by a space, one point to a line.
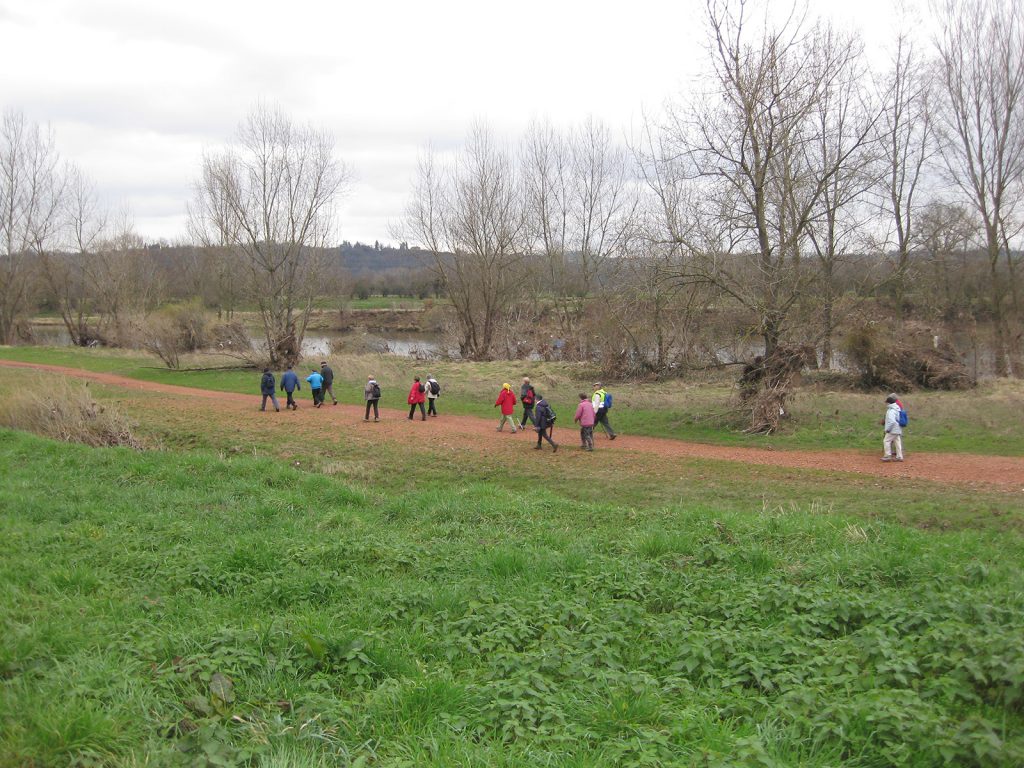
601 410
267 389
416 397
507 402
892 443
585 417
371 394
316 383
289 385
528 397
433 392
328 387
544 424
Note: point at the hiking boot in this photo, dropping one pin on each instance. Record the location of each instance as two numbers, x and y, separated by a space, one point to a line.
886 458
554 448
376 419
897 459
277 410
612 437
335 402
536 447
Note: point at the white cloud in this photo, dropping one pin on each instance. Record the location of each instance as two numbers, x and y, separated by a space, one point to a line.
136 90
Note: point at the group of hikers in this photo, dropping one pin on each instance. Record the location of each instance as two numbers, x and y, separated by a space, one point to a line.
591 410
423 395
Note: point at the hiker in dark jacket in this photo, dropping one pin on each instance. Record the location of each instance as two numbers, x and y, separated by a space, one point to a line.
290 385
371 394
267 388
544 424
528 397
328 385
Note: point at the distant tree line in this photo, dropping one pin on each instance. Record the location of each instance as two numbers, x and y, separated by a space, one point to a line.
799 193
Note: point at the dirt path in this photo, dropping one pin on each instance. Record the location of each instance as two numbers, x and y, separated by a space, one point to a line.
1006 473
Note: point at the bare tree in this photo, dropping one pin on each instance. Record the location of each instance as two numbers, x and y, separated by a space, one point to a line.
31 194
747 155
840 217
470 218
270 198
581 204
981 53
69 275
906 142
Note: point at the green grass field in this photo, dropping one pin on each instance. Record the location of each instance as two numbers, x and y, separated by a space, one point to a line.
202 608
988 420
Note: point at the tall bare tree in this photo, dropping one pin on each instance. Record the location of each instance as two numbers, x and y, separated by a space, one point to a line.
746 150
470 218
270 198
581 204
905 134
31 195
981 52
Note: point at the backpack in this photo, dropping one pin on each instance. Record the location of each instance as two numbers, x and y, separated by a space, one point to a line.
435 388
375 391
422 388
903 418
607 401
528 398
551 414
267 382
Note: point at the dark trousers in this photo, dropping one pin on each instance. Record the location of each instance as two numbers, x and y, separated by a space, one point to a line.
376 413
431 408
587 438
412 410
545 434
318 396
602 419
328 390
291 400
528 416
273 399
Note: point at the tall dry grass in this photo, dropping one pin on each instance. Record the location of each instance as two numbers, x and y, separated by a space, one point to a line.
68 412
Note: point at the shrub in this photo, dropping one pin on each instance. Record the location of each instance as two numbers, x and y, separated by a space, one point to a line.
913 358
70 413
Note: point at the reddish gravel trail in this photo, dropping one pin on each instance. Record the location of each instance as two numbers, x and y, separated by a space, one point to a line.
1006 473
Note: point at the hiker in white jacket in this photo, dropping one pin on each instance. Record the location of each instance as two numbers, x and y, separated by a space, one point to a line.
892 445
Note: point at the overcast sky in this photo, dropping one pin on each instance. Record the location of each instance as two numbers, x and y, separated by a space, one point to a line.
136 89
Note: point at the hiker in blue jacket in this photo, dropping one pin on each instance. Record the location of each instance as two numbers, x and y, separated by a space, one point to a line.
290 385
316 383
267 386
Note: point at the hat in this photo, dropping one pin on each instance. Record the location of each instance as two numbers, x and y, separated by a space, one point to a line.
597 385
893 396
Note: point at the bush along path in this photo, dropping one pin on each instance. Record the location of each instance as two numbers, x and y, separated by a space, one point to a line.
1006 473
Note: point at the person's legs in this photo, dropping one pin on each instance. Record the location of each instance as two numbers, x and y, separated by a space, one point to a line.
546 433
423 412
504 418
291 400
263 405
603 419
527 416
316 397
376 413
366 416
587 436
898 445
540 436
412 410
887 446
273 399
432 410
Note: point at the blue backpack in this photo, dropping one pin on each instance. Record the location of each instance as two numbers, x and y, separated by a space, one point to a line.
607 401
904 419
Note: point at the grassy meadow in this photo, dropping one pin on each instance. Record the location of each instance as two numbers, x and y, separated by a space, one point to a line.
251 592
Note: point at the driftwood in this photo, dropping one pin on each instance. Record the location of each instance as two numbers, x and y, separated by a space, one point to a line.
767 382
911 359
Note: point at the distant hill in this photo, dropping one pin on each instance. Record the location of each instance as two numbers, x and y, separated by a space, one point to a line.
361 258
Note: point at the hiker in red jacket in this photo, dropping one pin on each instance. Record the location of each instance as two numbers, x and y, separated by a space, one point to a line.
507 401
417 397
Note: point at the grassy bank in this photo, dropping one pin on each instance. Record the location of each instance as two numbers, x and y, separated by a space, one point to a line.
986 421
164 608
